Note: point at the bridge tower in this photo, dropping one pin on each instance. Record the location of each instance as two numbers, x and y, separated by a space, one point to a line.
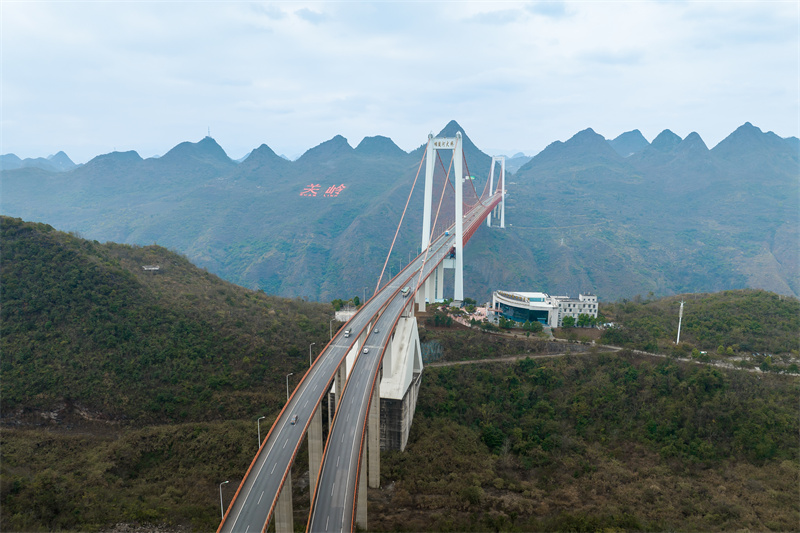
433 285
434 145
501 180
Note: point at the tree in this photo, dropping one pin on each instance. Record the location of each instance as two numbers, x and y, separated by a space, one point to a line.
567 322
532 327
584 320
356 301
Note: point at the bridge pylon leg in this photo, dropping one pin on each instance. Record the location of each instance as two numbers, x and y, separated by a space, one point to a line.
374 436
430 289
314 446
440 282
361 504
458 285
340 379
284 520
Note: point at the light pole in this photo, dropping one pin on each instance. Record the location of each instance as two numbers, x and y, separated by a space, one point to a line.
287 384
258 422
330 326
365 296
309 352
221 508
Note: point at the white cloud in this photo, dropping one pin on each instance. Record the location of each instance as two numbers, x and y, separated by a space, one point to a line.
89 77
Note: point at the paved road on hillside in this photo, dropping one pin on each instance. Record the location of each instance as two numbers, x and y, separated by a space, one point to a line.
255 500
337 487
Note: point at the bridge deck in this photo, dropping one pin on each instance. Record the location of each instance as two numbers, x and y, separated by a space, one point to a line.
254 502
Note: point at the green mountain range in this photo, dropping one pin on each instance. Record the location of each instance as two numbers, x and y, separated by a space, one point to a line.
134 384
616 218
88 332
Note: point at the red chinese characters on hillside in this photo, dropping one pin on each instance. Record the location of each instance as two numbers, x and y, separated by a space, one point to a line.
310 190
334 190
331 192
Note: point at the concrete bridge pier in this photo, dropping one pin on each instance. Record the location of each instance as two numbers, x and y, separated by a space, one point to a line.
439 283
284 520
315 446
361 501
420 298
374 436
400 381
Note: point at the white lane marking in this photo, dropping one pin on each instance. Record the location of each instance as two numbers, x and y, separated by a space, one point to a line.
332 489
273 468
259 499
337 461
326 522
284 444
305 403
248 529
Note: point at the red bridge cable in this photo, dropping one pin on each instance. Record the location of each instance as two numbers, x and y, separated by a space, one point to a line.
400 223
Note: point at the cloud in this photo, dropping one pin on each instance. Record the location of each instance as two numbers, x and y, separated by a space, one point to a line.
629 57
501 17
309 15
554 9
88 77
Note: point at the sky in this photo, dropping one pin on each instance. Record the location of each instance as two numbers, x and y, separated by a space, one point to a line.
93 77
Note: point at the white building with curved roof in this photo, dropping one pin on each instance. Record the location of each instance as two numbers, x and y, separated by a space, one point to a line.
541 307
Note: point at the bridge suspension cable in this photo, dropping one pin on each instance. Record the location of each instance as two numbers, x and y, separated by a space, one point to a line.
397 231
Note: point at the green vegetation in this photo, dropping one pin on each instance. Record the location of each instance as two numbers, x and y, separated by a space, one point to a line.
128 395
725 324
85 328
595 442
91 479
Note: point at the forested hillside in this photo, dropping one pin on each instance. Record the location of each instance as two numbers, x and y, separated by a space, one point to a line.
87 332
674 217
130 394
747 325
595 442
615 218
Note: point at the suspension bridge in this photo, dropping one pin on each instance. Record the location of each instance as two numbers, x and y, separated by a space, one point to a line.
370 371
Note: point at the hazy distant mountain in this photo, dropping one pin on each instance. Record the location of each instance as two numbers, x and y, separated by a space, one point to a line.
585 147
10 162
58 162
514 162
665 141
629 143
379 146
672 217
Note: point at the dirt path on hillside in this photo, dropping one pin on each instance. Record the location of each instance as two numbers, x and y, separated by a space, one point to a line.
602 349
512 358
